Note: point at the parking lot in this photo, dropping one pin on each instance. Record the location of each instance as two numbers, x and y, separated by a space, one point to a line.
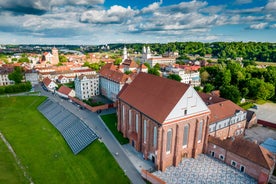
266 112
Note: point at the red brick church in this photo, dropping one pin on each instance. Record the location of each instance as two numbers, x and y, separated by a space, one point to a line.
164 119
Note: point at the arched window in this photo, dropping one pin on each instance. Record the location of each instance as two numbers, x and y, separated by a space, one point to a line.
136 123
200 129
123 114
129 118
154 136
145 131
185 136
169 141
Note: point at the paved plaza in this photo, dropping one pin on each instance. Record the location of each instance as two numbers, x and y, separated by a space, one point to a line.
203 169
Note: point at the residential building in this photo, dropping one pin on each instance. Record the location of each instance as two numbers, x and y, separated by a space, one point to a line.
188 76
4 75
164 119
112 81
32 76
246 156
227 119
49 84
86 86
63 80
66 92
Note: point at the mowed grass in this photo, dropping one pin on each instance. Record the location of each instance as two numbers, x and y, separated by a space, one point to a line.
111 122
45 154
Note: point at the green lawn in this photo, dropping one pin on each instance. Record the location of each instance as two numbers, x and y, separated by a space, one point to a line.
111 122
43 151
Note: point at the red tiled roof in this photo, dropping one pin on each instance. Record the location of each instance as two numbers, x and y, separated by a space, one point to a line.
64 90
220 108
247 150
46 81
116 76
152 95
60 77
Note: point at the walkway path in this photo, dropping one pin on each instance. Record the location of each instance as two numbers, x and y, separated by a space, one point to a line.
95 123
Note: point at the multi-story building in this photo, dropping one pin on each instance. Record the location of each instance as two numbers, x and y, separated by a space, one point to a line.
32 76
227 119
164 119
187 76
112 81
4 75
86 86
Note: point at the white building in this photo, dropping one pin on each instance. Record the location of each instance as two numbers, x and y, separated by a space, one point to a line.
187 76
4 76
147 57
112 81
32 76
86 86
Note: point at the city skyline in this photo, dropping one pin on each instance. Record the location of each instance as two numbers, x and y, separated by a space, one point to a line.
93 22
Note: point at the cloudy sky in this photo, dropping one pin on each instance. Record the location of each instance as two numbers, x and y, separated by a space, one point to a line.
131 21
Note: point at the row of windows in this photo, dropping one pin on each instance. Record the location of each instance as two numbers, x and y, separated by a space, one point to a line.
233 163
169 132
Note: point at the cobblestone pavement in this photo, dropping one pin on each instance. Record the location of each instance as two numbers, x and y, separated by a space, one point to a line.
203 169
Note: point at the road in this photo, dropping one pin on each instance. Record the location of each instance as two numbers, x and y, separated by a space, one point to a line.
96 124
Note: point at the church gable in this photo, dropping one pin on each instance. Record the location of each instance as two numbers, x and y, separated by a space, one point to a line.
189 104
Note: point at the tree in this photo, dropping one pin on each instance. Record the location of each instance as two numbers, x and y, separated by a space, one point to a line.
117 61
154 71
16 75
230 92
23 60
208 88
62 58
204 76
175 77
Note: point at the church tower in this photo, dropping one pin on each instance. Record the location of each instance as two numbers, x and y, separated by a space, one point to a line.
55 59
125 54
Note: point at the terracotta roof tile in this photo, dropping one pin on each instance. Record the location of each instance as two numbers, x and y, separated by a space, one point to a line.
46 81
64 90
220 108
152 95
247 150
116 76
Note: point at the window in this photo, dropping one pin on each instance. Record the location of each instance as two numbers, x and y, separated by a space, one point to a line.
221 157
145 131
242 168
129 118
185 136
212 154
136 123
123 114
233 163
154 137
169 141
185 112
200 128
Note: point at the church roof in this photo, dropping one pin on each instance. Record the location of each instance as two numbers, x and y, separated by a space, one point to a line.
152 95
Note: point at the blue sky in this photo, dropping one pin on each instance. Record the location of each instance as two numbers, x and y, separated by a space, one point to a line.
95 22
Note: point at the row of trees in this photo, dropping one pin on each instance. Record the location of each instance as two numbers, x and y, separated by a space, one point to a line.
236 82
257 51
17 88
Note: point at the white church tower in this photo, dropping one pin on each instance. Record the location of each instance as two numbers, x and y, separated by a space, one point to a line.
125 55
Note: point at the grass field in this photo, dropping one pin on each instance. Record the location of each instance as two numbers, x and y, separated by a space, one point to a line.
43 151
111 122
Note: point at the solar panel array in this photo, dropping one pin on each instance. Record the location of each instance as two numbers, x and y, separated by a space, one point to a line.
76 133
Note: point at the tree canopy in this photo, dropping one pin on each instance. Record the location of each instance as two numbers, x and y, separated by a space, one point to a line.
16 75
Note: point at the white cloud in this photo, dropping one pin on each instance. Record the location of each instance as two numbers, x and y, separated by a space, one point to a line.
258 26
152 7
116 14
271 5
